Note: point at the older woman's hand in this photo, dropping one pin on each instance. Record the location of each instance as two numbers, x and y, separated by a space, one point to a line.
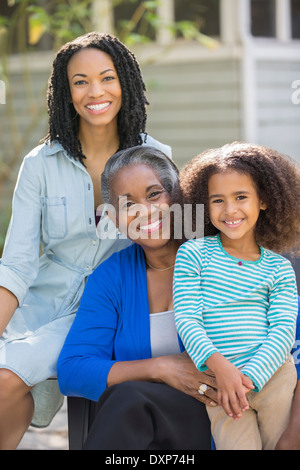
179 372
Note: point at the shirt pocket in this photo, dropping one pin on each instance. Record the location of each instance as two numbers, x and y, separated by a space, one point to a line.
55 216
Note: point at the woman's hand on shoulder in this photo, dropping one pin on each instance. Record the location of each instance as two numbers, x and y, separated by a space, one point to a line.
180 372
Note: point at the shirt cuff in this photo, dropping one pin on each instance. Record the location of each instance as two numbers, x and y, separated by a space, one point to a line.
12 282
200 363
257 384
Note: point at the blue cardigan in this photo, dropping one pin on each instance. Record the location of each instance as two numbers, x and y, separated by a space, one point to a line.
112 324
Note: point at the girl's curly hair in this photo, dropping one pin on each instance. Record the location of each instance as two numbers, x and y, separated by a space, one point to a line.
276 177
63 120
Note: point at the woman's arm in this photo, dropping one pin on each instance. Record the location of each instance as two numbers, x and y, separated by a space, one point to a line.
9 303
290 439
20 259
86 366
178 371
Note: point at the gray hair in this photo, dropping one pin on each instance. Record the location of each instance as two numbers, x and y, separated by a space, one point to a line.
163 166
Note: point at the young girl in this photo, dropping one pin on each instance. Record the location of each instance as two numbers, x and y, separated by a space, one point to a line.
235 300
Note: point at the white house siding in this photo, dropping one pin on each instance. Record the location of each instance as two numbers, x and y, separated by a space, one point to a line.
278 118
194 106
23 122
23 118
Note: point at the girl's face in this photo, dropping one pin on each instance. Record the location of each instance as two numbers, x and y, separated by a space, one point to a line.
142 206
234 205
94 86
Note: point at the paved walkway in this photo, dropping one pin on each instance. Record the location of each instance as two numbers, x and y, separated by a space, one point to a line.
55 437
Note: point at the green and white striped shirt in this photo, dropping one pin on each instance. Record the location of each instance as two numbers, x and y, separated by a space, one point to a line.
246 311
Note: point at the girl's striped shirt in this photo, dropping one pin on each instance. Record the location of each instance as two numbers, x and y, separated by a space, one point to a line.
245 310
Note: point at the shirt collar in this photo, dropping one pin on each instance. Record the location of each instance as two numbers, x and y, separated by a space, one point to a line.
53 147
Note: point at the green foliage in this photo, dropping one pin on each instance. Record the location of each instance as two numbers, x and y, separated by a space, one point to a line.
63 20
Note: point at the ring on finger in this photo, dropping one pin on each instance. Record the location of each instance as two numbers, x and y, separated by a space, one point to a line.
202 389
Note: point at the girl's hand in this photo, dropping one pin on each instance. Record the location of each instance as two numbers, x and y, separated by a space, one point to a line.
180 372
232 392
232 386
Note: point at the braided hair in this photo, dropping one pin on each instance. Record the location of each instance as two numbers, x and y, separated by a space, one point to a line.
63 123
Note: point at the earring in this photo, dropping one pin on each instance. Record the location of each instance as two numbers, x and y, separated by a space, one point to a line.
119 233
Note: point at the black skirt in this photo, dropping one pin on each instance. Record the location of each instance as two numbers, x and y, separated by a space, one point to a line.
148 416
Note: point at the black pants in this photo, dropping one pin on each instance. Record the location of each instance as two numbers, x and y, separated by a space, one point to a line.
148 416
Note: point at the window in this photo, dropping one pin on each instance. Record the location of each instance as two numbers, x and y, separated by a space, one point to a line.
263 22
205 13
295 11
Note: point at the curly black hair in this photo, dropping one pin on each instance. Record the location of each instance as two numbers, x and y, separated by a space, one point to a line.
277 180
63 120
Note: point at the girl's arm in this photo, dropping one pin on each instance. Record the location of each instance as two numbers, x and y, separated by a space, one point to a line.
188 305
232 385
282 314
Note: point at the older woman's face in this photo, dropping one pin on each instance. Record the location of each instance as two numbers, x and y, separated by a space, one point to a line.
141 204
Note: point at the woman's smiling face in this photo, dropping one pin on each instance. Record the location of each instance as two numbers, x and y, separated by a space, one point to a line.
142 205
95 88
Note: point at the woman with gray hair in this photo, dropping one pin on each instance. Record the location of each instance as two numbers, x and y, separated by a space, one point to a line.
123 350
165 168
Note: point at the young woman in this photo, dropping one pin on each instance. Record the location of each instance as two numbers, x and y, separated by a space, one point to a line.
236 300
123 348
96 105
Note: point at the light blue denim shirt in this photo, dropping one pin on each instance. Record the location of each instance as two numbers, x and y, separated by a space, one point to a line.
51 247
